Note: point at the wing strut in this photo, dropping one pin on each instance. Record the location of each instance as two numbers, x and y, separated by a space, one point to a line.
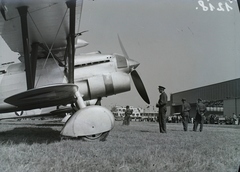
28 65
60 63
34 56
238 1
71 40
3 11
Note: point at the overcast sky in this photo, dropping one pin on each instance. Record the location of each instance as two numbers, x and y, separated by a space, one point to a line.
180 44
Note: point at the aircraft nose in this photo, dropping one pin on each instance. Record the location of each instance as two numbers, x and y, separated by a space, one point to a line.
133 64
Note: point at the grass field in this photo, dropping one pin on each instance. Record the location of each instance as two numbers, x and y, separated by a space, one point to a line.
138 147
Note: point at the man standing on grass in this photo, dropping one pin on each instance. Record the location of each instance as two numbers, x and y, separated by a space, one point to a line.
185 113
162 105
238 121
199 119
127 116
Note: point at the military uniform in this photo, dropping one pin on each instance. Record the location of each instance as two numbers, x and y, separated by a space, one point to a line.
199 119
239 121
127 116
185 114
162 105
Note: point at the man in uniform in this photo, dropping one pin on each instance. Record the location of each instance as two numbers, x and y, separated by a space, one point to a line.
199 119
234 118
127 116
238 121
162 105
185 113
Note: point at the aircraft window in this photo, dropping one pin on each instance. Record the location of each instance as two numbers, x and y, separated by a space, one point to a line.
121 61
3 72
92 63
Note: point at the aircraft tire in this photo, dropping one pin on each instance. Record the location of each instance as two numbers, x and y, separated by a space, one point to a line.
96 137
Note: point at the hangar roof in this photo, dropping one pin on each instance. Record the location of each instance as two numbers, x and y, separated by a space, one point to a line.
220 91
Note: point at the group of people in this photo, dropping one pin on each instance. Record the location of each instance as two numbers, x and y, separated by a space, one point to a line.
162 105
162 118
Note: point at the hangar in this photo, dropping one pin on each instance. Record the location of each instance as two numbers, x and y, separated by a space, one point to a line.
221 99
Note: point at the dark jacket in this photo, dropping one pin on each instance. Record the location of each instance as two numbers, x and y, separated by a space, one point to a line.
201 108
186 108
162 102
128 113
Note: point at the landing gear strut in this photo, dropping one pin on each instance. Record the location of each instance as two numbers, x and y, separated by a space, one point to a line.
90 123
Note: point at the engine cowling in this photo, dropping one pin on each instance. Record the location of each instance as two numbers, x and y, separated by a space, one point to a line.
104 85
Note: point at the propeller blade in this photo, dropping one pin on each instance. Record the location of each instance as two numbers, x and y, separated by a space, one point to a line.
135 77
139 86
122 47
238 1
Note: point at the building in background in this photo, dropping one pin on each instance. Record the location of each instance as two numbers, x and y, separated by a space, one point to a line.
139 114
119 112
222 99
149 114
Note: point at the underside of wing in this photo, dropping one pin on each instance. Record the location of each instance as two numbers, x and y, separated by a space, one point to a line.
59 112
47 20
42 29
43 97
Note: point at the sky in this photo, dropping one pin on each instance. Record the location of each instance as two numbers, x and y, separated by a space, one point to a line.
180 44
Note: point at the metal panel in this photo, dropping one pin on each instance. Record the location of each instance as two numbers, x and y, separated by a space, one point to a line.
229 107
219 91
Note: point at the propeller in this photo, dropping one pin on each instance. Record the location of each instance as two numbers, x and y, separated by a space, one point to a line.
139 86
122 47
135 77
238 1
80 33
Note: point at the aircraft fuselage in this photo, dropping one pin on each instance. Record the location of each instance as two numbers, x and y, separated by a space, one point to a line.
96 75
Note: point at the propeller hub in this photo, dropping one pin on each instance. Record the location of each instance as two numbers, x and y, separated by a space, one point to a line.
133 64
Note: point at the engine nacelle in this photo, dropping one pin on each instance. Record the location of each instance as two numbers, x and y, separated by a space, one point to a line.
104 85
91 102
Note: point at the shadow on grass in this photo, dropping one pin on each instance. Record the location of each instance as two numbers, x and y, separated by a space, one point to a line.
50 125
29 135
146 131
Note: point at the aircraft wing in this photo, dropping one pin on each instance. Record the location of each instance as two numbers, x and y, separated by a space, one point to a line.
33 28
47 20
59 112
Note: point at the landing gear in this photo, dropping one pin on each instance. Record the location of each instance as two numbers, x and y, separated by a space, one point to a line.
90 138
96 137
91 123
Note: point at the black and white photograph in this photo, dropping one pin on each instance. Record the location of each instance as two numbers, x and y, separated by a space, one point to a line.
120 85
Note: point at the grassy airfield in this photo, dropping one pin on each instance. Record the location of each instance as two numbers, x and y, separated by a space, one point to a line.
139 147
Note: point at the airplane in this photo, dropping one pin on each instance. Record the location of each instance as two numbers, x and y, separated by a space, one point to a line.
46 34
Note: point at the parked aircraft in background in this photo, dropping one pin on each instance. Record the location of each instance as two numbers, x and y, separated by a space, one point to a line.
45 34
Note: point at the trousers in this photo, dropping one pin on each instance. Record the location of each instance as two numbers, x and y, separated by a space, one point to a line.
198 120
185 118
162 120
